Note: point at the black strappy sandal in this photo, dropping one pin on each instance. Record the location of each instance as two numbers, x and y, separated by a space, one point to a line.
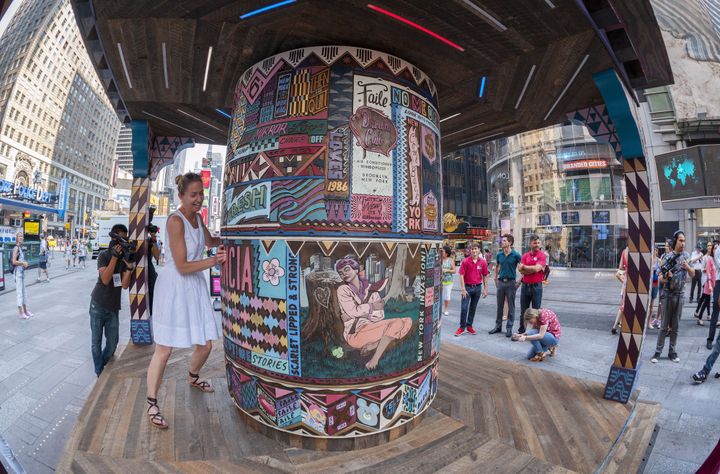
203 386
156 418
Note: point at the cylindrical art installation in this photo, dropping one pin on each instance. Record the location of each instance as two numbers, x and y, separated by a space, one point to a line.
332 219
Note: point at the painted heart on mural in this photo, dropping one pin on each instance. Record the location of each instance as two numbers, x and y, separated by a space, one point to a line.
322 296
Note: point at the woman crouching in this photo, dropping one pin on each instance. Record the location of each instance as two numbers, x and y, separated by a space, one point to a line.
543 333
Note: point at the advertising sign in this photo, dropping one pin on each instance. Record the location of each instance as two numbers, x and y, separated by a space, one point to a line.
583 165
601 217
680 174
711 159
31 229
215 277
62 197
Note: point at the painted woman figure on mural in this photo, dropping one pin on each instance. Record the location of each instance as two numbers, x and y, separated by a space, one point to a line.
363 314
414 165
182 314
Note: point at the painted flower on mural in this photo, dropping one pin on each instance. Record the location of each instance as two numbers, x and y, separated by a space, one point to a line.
272 271
367 412
338 352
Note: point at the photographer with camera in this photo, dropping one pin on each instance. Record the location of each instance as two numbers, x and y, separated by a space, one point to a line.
152 252
114 268
674 270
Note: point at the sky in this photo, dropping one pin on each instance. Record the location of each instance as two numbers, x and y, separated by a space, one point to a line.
194 155
5 22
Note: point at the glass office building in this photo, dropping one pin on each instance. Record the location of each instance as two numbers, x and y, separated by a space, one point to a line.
464 185
563 185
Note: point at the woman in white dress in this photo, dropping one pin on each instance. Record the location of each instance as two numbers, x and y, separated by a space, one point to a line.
182 313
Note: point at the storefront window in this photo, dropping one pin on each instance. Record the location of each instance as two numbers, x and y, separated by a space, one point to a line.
564 186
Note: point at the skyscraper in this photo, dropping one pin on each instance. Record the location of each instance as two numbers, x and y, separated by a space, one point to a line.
55 120
123 149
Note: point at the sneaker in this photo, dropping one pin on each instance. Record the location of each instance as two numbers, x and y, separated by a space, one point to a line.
23 316
539 357
494 331
699 377
459 332
29 314
709 345
655 358
471 330
674 357
446 313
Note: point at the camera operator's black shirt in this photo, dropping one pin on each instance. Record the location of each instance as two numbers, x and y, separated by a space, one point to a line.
108 296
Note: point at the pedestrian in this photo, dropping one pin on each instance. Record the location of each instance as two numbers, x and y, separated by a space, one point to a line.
695 262
532 267
708 284
546 270
19 265
162 254
182 313
473 281
82 254
152 252
43 260
655 317
68 255
113 276
673 273
543 333
448 272
74 249
506 261
621 275
716 296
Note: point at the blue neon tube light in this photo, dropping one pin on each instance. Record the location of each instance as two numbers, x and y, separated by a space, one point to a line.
223 113
264 9
482 87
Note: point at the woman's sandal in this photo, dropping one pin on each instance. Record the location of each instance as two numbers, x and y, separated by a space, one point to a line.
156 418
202 385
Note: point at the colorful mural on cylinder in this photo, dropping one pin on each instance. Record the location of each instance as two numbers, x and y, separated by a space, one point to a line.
331 292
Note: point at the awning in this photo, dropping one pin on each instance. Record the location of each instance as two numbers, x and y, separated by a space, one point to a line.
26 206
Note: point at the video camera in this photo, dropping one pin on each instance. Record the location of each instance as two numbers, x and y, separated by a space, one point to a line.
128 246
669 265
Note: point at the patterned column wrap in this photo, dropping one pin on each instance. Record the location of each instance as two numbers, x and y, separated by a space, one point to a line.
623 373
140 315
332 224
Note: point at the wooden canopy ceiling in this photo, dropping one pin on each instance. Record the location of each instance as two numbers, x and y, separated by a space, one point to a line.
563 42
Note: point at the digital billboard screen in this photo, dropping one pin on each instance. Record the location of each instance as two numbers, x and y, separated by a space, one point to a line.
711 168
601 217
571 217
680 174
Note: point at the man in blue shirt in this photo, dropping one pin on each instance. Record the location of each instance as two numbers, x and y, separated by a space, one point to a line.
505 282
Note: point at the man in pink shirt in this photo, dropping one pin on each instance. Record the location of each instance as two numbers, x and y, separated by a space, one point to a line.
532 267
473 281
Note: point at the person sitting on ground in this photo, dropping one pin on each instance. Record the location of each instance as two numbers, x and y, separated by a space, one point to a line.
543 332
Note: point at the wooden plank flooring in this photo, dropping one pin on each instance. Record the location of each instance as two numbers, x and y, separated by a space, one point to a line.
489 415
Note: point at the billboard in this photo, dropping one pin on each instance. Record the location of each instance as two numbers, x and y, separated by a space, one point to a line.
711 168
680 174
31 230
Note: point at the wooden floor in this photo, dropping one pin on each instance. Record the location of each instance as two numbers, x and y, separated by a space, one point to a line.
490 415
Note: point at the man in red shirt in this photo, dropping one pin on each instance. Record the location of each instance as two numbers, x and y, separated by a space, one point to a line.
532 267
473 281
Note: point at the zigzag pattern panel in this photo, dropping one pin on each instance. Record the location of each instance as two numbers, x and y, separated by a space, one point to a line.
163 151
639 276
139 204
600 125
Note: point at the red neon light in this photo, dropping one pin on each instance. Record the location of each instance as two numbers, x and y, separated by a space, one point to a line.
416 26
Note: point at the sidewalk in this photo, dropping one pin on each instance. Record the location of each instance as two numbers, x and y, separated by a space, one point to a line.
56 269
586 304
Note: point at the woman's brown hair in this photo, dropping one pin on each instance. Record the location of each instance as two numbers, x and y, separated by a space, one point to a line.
184 180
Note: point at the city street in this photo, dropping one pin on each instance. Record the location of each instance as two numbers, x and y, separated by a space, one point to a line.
46 370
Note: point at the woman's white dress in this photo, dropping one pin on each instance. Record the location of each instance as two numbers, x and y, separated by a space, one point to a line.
182 313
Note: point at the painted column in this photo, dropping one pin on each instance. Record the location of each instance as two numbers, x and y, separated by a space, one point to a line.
150 154
626 365
332 205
